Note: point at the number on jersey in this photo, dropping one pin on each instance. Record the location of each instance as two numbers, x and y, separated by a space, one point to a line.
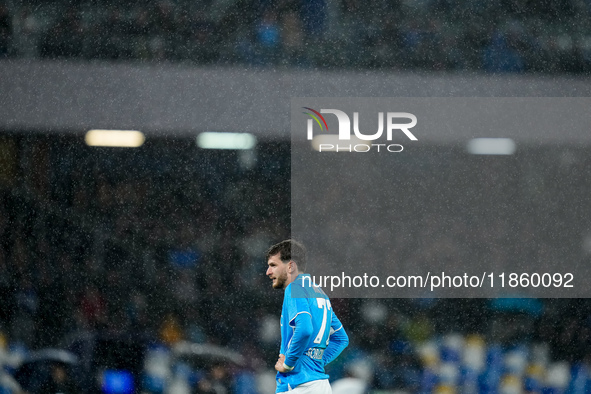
323 304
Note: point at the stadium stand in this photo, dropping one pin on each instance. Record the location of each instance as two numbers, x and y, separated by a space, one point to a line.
144 249
504 36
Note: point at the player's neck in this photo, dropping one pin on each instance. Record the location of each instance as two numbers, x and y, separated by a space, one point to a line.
291 276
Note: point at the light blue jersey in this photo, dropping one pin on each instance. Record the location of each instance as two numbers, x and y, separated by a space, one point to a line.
311 334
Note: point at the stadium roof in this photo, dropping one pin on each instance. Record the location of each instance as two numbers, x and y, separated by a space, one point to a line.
54 96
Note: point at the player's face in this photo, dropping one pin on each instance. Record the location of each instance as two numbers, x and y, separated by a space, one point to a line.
277 271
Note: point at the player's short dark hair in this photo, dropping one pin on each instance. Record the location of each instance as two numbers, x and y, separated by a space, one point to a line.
289 250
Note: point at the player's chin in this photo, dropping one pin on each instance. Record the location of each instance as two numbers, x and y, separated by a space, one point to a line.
277 284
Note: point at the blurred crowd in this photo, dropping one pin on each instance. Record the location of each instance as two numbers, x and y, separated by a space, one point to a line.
165 244
492 36
116 237
148 243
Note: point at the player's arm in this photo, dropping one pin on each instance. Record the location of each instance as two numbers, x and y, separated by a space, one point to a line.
301 337
338 340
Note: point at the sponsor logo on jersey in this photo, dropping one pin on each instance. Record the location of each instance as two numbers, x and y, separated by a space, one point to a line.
315 353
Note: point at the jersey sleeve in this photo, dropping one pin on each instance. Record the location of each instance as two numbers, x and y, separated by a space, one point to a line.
301 336
338 340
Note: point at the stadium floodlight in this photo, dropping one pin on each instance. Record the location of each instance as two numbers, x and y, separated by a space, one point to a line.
332 143
115 138
491 146
215 140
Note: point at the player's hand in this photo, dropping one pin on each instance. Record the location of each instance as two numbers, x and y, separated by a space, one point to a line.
279 364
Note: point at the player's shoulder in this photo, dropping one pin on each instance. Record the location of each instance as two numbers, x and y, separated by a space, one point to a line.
304 287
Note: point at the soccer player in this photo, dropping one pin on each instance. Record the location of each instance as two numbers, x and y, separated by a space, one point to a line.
311 334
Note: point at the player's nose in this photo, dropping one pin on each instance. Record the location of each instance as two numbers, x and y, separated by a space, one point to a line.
268 271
